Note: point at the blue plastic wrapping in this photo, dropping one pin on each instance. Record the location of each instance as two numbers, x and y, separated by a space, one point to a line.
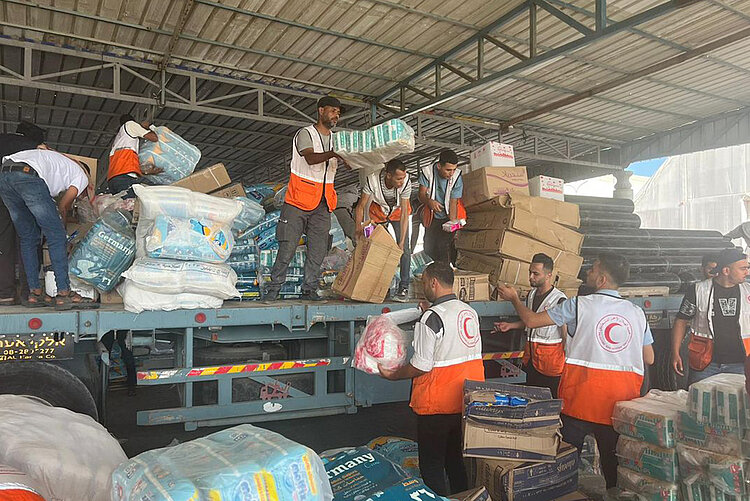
261 192
171 153
239 463
105 252
189 240
269 221
267 239
252 213
401 451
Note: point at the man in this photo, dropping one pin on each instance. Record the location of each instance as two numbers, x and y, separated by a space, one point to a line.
310 199
447 351
29 181
717 310
544 356
27 137
609 341
124 165
440 190
708 266
385 198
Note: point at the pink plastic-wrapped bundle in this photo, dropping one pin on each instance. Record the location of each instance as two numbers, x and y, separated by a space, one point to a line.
383 342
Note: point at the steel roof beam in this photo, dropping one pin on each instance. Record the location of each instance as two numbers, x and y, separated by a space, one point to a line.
560 51
187 10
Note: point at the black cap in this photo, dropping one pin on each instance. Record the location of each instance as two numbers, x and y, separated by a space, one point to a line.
330 101
727 257
31 131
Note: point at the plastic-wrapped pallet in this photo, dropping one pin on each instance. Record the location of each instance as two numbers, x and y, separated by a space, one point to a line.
649 459
716 438
136 299
647 488
728 474
171 153
252 213
370 149
720 400
651 418
243 462
177 277
68 456
189 240
105 251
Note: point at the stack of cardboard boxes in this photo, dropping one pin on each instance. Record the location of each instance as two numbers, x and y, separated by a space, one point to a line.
515 446
506 226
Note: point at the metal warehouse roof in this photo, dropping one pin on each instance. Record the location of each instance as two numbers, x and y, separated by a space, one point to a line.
577 86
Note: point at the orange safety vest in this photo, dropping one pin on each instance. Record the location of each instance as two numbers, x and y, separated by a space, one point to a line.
122 162
430 173
544 346
441 391
379 205
308 183
604 363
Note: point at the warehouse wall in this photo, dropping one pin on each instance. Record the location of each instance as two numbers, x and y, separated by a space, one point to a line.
702 190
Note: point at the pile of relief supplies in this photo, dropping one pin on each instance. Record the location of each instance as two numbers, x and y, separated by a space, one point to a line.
686 445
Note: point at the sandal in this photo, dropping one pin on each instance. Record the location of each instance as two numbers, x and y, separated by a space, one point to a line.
74 301
8 301
36 300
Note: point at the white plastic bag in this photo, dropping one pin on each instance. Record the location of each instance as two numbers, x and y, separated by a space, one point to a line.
135 299
182 203
239 463
17 483
76 285
177 277
383 343
170 153
69 456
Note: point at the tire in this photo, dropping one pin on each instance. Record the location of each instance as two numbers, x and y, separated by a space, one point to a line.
49 382
243 389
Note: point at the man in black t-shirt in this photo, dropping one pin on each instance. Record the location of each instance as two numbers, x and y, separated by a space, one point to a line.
27 137
714 308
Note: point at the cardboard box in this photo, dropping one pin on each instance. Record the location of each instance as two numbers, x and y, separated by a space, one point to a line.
493 442
564 213
231 191
467 286
111 297
93 165
499 269
542 410
490 182
368 274
206 180
515 481
567 282
547 187
77 231
523 221
518 247
493 154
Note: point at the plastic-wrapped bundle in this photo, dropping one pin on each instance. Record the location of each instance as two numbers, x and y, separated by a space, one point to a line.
651 418
361 474
337 233
263 191
135 299
252 213
716 438
729 474
67 455
335 260
268 257
243 462
171 153
105 202
248 285
696 489
419 261
17 485
647 488
270 220
719 399
370 149
267 240
176 277
401 451
382 342
244 257
642 457
182 203
105 252
189 240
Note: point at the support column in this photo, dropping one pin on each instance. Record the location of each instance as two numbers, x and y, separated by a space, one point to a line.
623 188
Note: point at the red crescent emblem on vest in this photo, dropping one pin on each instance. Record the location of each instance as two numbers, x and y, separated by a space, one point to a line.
608 332
468 328
614 333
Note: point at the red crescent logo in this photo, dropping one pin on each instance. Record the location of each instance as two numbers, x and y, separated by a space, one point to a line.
609 340
608 332
466 330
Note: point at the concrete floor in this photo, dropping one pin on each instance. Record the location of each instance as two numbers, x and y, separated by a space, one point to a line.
321 433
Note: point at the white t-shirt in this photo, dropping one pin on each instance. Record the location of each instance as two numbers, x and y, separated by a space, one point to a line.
128 137
57 170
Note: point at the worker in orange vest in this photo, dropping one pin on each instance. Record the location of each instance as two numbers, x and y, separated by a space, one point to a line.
544 355
609 344
385 198
447 351
310 199
124 165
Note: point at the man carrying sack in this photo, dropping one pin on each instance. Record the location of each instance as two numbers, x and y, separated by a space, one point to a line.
718 311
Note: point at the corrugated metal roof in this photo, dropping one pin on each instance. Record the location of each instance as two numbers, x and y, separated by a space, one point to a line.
361 48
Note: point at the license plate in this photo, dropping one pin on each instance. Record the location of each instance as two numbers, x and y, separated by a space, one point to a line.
36 346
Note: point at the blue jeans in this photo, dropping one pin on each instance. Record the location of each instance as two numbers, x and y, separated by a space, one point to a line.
34 213
405 264
712 369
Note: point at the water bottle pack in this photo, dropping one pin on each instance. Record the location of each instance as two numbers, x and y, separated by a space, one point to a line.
269 221
175 277
105 251
182 203
370 149
252 213
171 153
189 240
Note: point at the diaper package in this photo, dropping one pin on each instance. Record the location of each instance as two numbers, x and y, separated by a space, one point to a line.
652 460
171 153
651 418
189 240
176 277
